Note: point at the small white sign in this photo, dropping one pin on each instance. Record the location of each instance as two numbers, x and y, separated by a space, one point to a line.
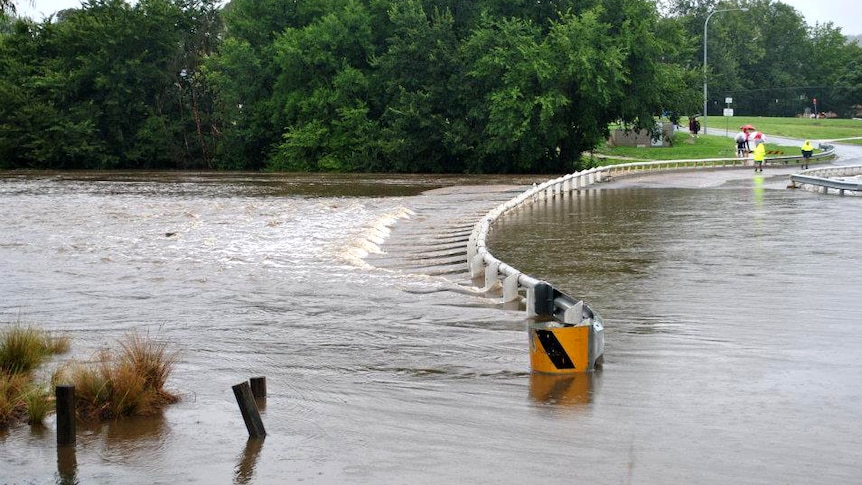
728 100
728 111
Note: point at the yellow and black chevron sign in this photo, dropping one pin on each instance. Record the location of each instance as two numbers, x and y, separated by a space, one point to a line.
560 350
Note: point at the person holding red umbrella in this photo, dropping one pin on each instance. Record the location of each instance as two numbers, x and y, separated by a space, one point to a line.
759 138
745 130
740 144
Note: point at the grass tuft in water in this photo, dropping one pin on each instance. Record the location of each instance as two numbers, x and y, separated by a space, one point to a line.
39 403
23 349
131 383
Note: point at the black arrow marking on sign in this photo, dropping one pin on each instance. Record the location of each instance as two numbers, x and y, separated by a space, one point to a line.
554 349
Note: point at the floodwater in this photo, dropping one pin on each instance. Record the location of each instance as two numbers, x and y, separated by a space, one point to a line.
730 304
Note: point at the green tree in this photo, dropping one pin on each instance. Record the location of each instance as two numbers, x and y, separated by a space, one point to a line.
767 59
848 86
656 77
511 71
242 106
414 75
103 86
41 125
830 67
243 76
548 98
322 92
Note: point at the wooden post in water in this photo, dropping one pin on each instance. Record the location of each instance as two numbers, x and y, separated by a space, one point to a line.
65 396
67 464
249 411
258 387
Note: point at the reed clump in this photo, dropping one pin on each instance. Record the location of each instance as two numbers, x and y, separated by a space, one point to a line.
128 383
23 349
12 407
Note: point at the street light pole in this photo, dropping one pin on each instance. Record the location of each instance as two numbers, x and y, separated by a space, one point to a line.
705 31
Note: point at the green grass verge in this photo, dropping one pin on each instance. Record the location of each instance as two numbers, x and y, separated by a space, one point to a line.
799 128
684 148
711 146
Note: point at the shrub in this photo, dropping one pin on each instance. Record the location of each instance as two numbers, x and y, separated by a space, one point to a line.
23 349
20 398
149 359
92 387
131 383
39 403
11 403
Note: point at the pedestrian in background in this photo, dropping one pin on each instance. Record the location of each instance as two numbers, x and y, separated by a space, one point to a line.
807 151
693 126
740 144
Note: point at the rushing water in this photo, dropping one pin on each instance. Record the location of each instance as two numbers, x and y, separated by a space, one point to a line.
732 349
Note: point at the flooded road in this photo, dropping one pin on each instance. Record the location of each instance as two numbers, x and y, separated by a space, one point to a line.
732 321
732 350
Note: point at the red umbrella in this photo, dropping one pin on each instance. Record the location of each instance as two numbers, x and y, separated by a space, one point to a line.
746 127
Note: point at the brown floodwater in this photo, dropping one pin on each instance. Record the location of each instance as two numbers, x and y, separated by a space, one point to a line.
730 303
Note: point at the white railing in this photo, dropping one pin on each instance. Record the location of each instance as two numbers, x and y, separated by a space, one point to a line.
824 178
483 263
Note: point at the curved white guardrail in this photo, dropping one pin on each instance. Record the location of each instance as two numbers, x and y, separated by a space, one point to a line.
579 345
823 179
483 263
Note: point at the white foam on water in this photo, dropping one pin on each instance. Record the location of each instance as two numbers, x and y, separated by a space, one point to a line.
369 238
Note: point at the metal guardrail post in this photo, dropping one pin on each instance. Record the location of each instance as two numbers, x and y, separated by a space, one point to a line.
819 178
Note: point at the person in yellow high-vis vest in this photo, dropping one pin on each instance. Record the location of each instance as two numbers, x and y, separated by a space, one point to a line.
759 154
807 150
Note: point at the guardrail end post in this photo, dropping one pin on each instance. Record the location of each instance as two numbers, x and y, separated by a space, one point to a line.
543 299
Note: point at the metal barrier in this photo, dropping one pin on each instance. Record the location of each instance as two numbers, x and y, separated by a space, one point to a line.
482 262
828 152
542 299
819 178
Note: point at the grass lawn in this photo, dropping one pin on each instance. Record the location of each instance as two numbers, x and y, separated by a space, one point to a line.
799 128
712 146
684 148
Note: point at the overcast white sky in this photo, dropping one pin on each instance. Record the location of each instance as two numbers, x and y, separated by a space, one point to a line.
846 14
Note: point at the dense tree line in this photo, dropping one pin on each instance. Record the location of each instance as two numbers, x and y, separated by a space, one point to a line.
473 86
769 61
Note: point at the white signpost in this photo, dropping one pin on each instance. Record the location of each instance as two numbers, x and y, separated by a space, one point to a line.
728 112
